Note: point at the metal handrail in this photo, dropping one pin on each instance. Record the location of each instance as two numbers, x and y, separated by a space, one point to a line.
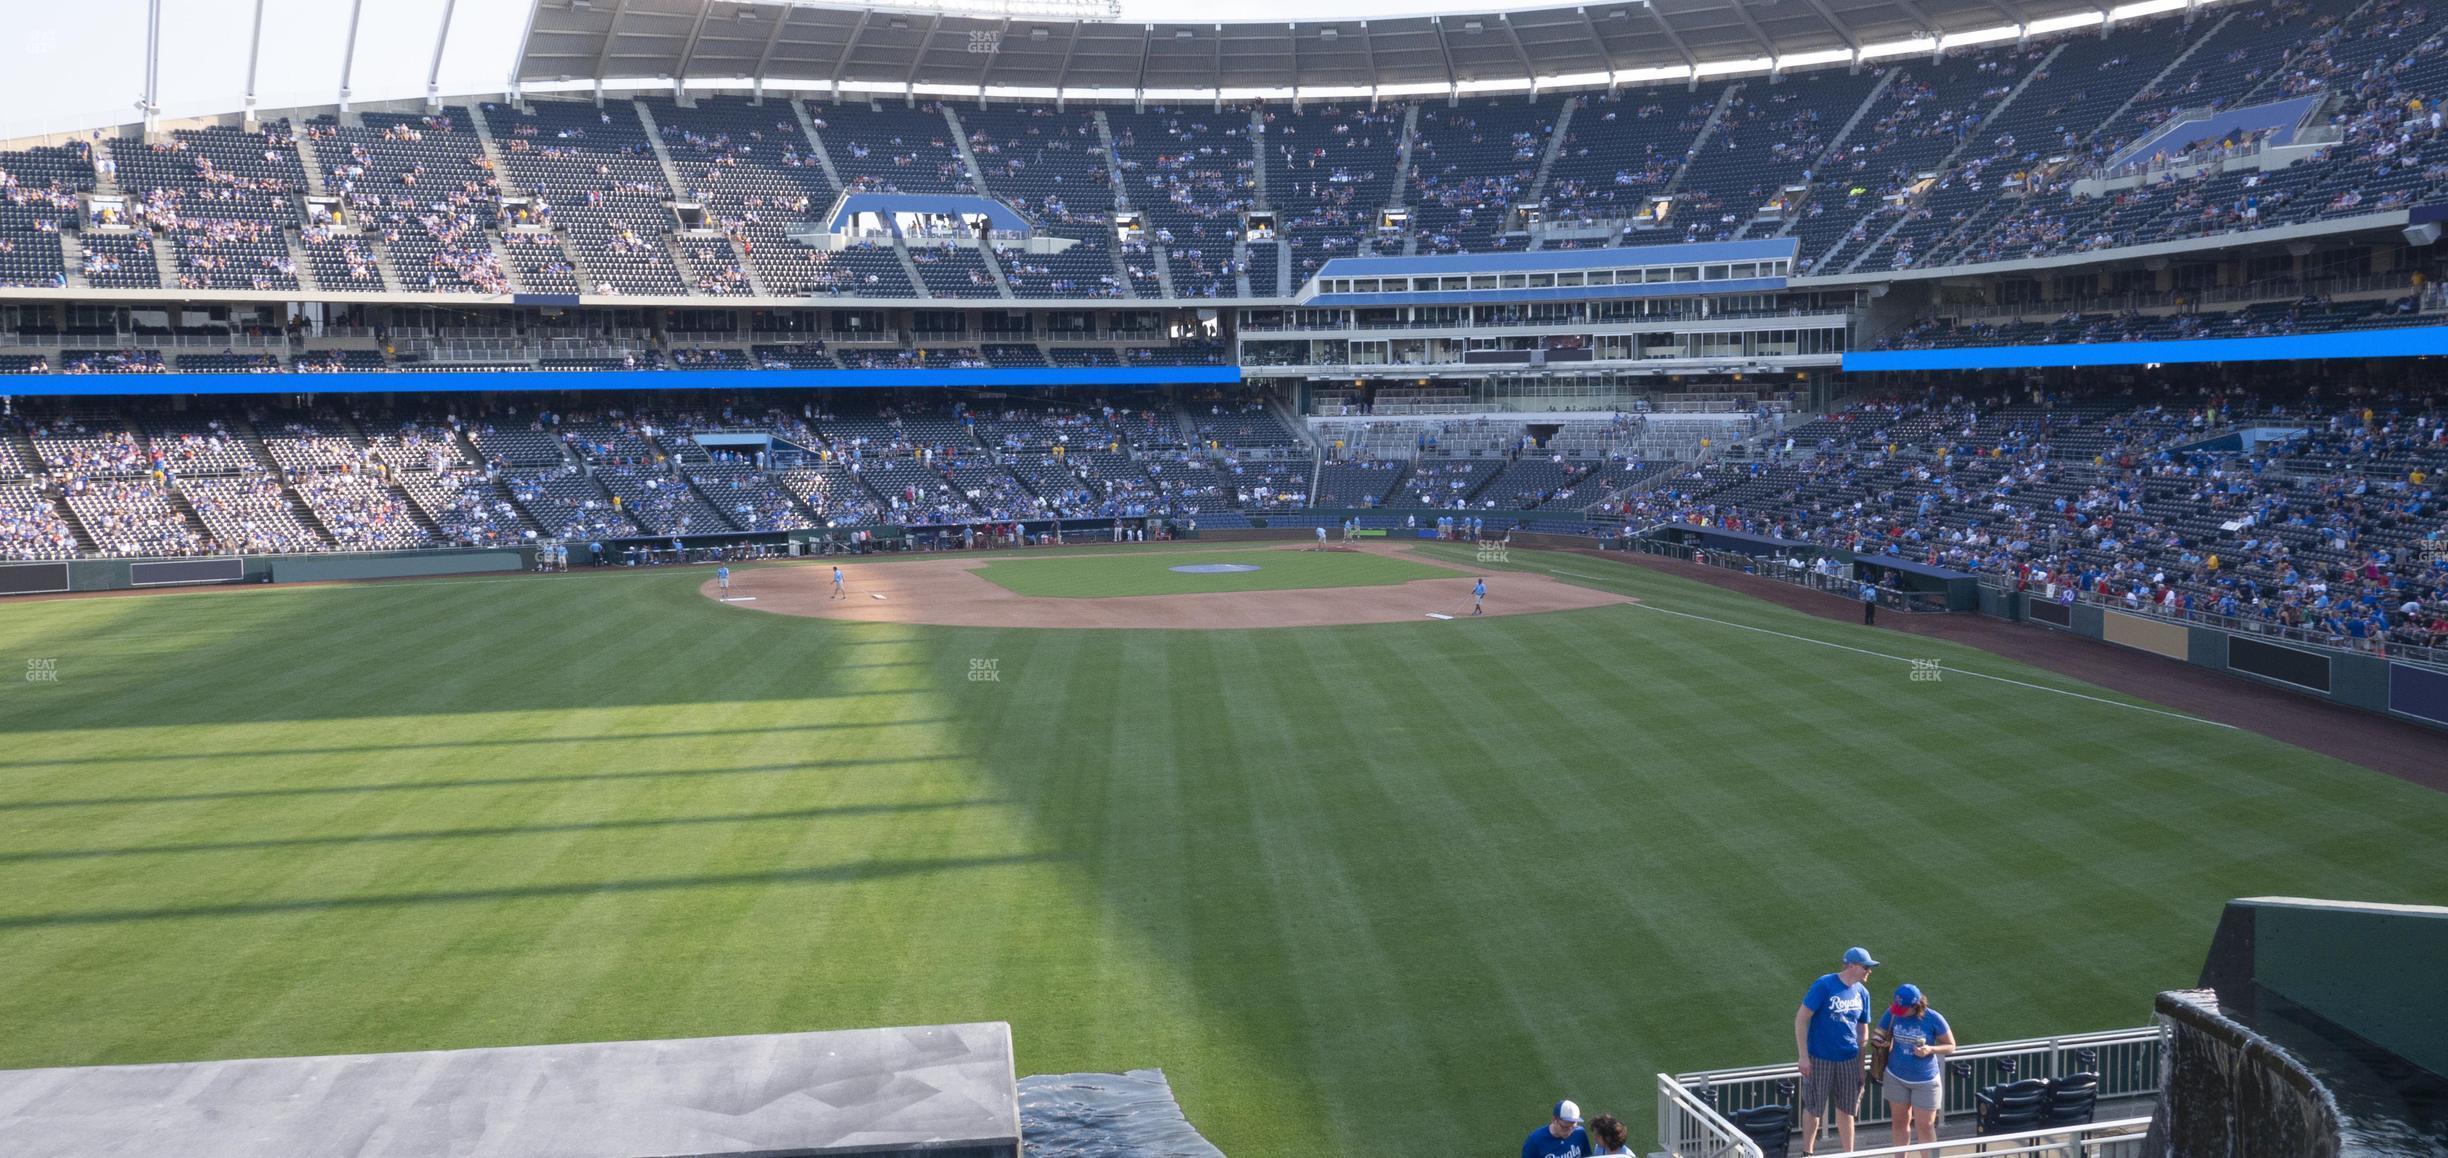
1691 1128
2070 1041
2096 1140
2127 1062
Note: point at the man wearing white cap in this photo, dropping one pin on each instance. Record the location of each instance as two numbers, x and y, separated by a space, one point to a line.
1561 1137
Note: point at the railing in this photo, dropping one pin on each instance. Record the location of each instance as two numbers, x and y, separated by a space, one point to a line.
1789 569
2381 647
1691 1128
2126 1060
2123 1138
2283 290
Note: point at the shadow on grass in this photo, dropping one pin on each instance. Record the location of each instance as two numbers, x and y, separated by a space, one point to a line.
859 872
835 812
470 782
489 742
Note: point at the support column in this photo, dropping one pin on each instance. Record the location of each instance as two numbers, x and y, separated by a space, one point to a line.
433 75
152 90
254 52
348 55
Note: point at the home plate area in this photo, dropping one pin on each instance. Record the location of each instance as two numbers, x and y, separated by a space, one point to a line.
949 591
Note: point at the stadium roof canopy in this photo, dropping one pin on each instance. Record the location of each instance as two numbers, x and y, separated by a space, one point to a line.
1036 47
105 63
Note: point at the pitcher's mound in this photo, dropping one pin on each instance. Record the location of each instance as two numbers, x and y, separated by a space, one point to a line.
948 591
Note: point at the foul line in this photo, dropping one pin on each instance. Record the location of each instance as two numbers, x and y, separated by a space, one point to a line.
1941 667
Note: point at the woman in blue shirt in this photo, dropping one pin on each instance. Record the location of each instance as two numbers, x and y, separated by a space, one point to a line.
1917 1040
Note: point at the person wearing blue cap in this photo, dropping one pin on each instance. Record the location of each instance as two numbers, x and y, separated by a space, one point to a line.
1829 1032
1561 1137
1916 1038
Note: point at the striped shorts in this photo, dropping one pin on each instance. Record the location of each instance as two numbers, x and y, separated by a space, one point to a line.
1832 1082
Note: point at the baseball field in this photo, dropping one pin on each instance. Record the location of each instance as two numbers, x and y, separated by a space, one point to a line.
1352 887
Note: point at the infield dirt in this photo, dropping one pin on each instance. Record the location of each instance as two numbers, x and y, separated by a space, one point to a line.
948 591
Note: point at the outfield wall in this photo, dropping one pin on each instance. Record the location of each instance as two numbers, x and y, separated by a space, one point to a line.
140 574
2370 683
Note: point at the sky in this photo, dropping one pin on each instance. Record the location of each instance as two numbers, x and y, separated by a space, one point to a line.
75 66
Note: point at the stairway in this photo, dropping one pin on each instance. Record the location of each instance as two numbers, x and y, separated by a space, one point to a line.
908 267
1708 128
1988 116
654 139
16 440
165 262
824 156
72 259
1189 427
1283 268
87 545
1121 266
1835 146
312 163
306 279
1547 160
383 268
960 140
1258 156
1121 199
756 280
1241 264
1555 148
502 180
1113 161
105 169
299 508
678 252
578 267
1164 270
1401 193
196 525
994 265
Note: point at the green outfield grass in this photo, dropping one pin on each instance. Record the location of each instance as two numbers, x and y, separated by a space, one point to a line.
1352 888
1097 576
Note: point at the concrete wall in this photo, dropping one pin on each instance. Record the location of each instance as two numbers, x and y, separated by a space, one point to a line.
2368 682
121 574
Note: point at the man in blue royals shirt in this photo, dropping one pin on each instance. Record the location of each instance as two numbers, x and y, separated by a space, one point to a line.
1829 1032
1561 1137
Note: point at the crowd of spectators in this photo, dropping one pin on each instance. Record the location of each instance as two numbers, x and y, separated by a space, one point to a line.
2331 530
250 480
1989 154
